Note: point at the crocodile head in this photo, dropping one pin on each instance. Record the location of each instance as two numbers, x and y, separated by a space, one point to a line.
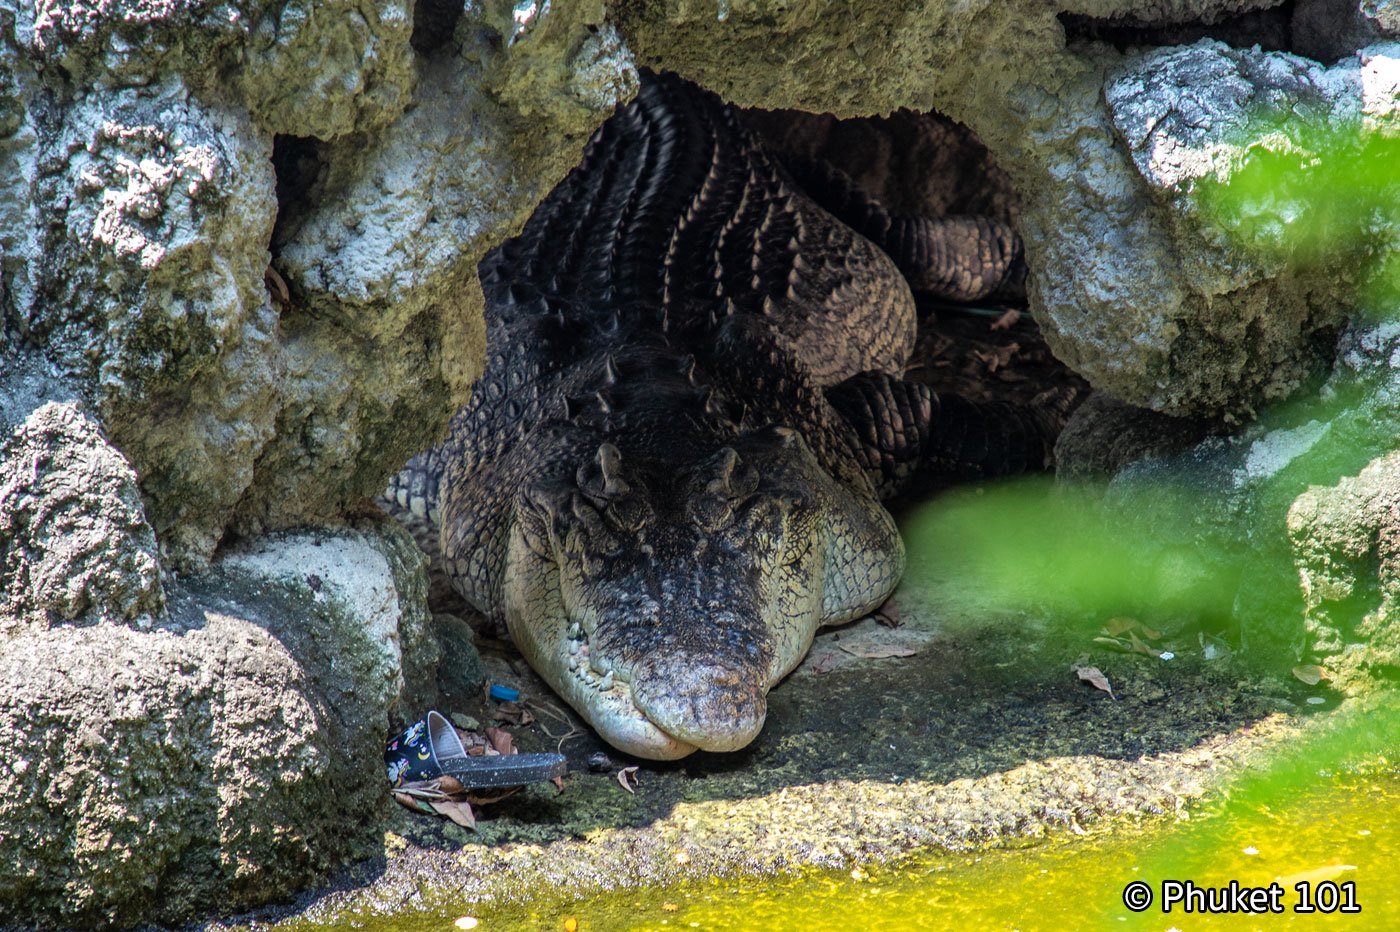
663 594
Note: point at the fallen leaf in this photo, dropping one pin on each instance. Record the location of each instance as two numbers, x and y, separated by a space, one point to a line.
1094 677
558 783
458 812
514 713
277 285
1125 625
1138 646
998 357
878 651
486 797
625 776
409 802
1007 320
670 907
1316 875
501 741
571 924
824 662
887 615
1309 673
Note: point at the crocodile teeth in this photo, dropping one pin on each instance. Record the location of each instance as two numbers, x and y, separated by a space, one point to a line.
574 648
575 631
607 682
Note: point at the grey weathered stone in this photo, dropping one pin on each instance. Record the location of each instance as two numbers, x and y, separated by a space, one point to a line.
141 278
220 758
143 208
74 540
1346 540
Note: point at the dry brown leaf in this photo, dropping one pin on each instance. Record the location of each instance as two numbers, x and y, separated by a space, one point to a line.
625 776
501 741
1310 673
486 797
887 615
514 713
458 812
558 783
998 357
1123 624
408 802
823 663
277 285
1138 646
1116 626
1094 677
1007 320
878 651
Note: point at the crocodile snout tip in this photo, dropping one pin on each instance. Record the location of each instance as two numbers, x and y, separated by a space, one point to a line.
713 704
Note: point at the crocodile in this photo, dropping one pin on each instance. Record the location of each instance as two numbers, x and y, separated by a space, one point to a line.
672 472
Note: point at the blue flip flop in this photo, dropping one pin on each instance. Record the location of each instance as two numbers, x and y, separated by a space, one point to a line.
431 748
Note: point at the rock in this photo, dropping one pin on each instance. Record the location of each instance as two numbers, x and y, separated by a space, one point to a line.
142 207
1346 540
74 540
460 671
221 758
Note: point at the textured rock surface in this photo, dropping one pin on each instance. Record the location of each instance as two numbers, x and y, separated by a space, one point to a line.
73 536
219 758
141 207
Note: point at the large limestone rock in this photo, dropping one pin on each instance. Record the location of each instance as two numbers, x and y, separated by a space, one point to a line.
141 203
220 757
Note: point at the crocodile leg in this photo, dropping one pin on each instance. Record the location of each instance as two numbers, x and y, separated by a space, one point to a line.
905 428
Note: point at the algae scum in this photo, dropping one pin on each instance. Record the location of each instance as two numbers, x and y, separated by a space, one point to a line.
1346 831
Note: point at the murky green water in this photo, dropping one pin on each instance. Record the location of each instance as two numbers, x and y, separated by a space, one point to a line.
1352 821
1338 829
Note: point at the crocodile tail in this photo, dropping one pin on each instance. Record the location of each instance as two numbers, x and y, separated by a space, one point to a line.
960 258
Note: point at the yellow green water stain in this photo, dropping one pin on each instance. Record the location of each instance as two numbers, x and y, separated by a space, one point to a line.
1351 821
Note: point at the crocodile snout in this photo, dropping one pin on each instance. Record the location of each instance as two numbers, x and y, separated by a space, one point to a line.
715 703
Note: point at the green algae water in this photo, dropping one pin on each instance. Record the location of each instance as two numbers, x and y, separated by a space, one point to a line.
1343 834
1340 832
